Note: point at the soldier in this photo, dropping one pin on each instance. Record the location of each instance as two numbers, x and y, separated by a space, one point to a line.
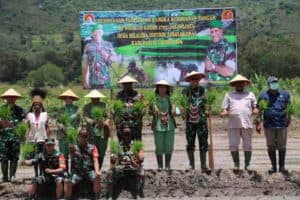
239 105
38 120
98 130
9 141
53 170
136 72
220 60
69 116
96 61
275 122
163 123
126 170
195 117
84 164
129 96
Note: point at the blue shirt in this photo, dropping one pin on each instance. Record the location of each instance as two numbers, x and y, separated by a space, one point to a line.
275 116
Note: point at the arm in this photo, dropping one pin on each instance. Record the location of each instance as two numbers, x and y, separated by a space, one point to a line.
84 70
225 106
47 126
95 156
61 166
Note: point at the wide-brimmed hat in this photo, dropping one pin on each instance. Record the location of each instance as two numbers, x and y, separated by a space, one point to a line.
127 79
50 141
95 94
11 93
162 82
68 93
239 78
194 74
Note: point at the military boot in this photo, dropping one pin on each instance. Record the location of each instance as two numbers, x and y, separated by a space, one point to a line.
4 168
204 168
236 159
282 162
159 159
191 160
168 161
272 156
247 155
13 169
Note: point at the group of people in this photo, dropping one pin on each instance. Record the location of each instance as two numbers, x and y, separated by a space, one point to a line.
87 154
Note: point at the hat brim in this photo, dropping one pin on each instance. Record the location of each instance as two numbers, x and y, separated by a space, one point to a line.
14 96
64 97
199 76
247 82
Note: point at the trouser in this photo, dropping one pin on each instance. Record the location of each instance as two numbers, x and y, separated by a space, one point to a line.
101 144
164 142
235 135
276 138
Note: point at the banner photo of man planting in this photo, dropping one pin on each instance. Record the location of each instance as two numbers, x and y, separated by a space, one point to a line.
153 45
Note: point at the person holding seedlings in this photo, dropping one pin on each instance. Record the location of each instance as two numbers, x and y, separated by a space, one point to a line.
69 117
38 121
195 117
239 105
132 108
276 109
163 123
97 121
53 171
84 164
11 114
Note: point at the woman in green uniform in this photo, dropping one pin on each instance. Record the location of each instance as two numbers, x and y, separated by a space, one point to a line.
163 124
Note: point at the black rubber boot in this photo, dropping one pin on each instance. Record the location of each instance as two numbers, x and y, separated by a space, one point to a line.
204 168
168 161
282 162
4 168
13 169
159 159
236 159
247 155
191 159
272 156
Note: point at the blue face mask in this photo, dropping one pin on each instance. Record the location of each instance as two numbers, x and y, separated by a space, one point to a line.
274 86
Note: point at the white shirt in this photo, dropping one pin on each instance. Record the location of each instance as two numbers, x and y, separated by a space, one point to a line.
37 132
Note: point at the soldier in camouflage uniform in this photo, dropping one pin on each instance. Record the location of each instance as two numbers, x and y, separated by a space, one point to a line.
53 171
96 61
84 164
220 61
136 72
126 170
98 130
9 141
129 96
72 113
196 121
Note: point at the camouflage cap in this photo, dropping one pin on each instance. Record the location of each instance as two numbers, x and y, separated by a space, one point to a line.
215 24
50 141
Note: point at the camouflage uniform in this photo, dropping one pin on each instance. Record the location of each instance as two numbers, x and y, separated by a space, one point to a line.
82 163
72 112
219 53
97 135
10 143
98 67
129 115
196 124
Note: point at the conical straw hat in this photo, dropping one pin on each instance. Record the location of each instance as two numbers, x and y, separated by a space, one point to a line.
68 93
128 79
11 93
239 78
194 74
162 82
95 94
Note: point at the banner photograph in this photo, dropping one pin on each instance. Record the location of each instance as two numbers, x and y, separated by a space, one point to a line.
151 45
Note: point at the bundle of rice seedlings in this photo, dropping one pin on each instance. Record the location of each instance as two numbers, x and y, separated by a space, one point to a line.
27 151
64 119
118 107
290 109
263 105
71 135
98 113
211 96
137 147
21 130
138 106
149 97
5 112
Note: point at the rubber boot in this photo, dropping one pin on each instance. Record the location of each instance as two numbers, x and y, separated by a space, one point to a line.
191 159
236 159
159 159
168 161
204 168
4 168
282 162
247 155
272 156
13 170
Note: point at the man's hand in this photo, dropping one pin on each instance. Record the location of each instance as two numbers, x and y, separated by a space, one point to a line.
97 174
208 64
48 171
258 128
255 111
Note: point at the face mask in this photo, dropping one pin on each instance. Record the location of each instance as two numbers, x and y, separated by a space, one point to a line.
274 86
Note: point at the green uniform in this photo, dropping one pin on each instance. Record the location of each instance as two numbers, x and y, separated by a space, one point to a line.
129 114
10 143
98 134
196 123
72 112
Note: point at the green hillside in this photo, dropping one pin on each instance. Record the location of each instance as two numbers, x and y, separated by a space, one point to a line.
36 32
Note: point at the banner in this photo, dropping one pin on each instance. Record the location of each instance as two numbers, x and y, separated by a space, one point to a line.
151 45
